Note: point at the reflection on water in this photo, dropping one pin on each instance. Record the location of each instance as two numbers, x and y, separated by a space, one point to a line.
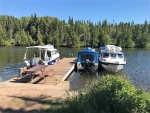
82 79
137 67
10 62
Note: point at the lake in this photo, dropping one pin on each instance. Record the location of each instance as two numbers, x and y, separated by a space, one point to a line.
137 67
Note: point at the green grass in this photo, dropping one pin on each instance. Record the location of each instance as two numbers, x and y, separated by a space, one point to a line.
46 107
17 102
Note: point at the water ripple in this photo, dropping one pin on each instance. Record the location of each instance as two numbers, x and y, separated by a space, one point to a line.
10 71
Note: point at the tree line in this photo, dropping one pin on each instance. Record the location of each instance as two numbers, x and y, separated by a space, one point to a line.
33 30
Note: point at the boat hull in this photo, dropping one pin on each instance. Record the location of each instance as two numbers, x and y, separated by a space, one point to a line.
51 62
112 67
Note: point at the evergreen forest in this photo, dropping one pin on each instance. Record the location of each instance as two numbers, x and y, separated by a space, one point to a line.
34 30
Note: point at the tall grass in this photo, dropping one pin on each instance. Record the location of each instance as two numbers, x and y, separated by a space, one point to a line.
110 94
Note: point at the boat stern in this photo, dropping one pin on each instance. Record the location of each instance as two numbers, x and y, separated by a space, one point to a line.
87 66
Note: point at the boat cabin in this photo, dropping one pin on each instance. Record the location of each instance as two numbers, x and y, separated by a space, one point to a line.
110 56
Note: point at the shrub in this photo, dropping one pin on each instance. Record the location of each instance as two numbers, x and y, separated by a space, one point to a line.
116 94
110 94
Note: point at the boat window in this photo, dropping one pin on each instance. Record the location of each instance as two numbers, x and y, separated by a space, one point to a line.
52 52
120 56
113 56
105 55
91 57
48 53
56 51
42 55
83 57
87 56
36 53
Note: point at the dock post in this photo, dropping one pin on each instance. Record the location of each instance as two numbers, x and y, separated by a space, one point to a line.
21 71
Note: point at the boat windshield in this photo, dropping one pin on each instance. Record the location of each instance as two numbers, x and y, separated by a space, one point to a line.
32 52
36 53
105 55
85 56
113 56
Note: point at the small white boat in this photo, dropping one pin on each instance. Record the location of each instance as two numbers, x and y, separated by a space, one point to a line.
87 59
44 55
112 58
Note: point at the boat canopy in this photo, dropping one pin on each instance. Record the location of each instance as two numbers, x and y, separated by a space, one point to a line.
88 53
111 48
45 47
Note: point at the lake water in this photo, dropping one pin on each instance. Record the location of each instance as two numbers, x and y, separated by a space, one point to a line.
137 67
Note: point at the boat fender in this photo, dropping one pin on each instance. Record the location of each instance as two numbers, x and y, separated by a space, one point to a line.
27 63
117 62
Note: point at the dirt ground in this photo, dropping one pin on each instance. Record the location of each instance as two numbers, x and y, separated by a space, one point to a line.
30 98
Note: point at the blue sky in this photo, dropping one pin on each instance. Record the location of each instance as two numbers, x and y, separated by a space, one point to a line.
93 10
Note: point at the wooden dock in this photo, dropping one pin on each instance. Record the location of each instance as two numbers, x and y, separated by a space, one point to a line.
33 94
62 70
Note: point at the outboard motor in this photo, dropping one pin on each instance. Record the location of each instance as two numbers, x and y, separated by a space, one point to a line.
87 64
32 62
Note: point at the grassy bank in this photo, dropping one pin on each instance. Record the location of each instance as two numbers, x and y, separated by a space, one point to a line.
110 94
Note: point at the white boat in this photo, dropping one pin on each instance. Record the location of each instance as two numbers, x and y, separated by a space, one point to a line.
112 58
44 55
